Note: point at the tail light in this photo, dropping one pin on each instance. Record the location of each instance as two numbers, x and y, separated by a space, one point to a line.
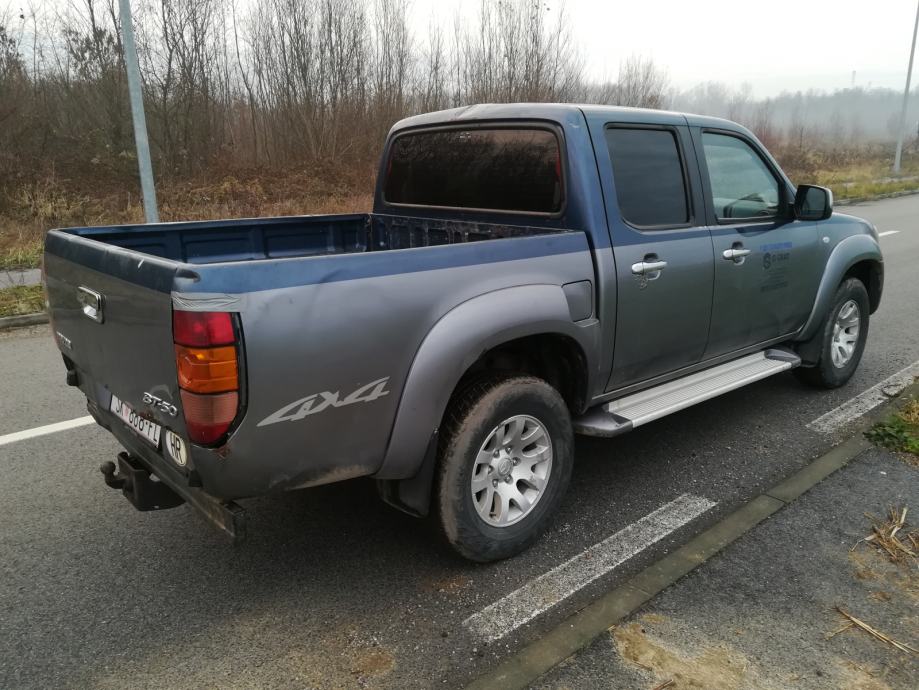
207 362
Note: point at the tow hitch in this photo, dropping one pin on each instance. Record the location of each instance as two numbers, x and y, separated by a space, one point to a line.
138 486
146 493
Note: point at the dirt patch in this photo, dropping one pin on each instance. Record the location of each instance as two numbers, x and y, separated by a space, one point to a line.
449 585
714 668
373 662
863 569
854 676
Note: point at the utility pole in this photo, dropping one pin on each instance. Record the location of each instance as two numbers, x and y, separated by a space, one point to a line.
135 92
909 75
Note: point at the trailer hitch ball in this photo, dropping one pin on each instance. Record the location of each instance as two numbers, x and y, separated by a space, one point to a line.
108 470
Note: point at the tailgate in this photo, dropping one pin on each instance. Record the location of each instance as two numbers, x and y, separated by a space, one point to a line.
111 312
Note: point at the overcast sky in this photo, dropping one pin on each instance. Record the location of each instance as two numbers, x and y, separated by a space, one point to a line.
773 45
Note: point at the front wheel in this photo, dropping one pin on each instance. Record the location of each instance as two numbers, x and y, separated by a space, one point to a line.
844 333
505 457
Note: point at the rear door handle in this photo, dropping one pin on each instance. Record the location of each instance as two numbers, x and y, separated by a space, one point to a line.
645 267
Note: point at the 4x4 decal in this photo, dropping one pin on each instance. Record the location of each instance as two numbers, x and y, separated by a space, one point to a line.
318 402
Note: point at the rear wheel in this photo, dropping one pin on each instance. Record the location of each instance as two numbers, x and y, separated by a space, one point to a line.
844 333
505 458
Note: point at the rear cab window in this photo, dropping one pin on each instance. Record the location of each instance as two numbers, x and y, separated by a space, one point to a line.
649 176
499 168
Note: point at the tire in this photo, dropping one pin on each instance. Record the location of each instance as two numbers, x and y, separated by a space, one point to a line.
830 372
474 430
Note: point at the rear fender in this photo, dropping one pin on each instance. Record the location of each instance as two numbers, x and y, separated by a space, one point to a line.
455 342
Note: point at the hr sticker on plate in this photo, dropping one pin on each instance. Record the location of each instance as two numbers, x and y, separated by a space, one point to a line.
176 448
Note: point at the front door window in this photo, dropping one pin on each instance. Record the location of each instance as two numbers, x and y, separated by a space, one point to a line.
743 187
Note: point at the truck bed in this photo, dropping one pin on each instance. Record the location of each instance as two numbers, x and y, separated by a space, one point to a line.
206 242
325 306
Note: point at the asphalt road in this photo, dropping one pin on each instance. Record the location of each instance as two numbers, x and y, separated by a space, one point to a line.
334 589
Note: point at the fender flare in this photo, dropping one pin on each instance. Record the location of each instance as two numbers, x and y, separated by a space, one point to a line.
452 345
844 256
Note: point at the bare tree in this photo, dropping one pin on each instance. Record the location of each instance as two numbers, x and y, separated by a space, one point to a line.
516 52
641 84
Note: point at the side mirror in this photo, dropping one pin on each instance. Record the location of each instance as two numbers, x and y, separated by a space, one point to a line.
813 203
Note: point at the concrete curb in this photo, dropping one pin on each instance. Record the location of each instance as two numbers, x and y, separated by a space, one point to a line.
7 322
586 625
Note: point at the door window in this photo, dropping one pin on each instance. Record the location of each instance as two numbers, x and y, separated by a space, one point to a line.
648 172
743 186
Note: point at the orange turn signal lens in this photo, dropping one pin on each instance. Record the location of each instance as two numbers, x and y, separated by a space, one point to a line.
207 369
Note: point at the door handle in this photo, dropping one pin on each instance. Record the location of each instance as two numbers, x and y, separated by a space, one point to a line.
645 267
737 253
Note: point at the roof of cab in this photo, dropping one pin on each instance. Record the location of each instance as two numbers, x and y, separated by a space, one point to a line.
559 112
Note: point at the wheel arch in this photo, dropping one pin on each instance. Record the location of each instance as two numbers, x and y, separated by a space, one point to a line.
871 273
857 256
525 326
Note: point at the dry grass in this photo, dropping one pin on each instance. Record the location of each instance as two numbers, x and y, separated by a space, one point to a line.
28 212
21 299
892 536
853 622
910 413
860 178
109 197
24 253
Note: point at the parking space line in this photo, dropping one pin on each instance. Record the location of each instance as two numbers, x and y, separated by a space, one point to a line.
537 596
864 402
888 232
47 429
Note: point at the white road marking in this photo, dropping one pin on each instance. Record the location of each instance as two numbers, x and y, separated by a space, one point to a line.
888 232
47 429
539 595
838 417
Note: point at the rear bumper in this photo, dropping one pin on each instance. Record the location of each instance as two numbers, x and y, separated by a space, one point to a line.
227 516
242 468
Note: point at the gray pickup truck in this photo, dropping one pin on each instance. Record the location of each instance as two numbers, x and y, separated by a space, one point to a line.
528 272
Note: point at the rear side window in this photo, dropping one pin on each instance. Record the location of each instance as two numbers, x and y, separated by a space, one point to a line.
499 169
648 172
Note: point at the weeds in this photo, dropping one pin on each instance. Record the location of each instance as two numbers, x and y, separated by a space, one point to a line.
900 432
20 256
22 299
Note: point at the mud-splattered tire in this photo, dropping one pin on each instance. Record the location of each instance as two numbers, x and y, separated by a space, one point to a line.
843 332
504 462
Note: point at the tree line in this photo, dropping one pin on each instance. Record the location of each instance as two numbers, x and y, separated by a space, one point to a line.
290 82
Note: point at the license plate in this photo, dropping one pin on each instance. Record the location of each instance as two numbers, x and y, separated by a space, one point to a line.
147 430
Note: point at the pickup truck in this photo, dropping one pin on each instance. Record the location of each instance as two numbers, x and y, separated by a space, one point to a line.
528 272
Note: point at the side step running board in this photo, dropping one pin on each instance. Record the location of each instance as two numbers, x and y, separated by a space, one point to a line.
619 416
